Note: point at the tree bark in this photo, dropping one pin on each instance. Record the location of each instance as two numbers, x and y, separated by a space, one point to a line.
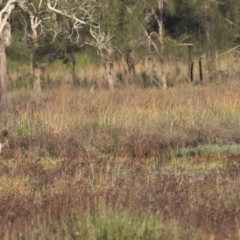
160 20
200 69
5 40
110 75
163 78
35 64
3 78
108 61
190 64
191 72
37 77
131 65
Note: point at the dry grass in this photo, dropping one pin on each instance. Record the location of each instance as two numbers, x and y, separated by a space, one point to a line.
87 164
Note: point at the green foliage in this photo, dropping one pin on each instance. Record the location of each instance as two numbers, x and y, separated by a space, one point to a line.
123 225
18 51
108 224
87 57
23 128
211 26
209 151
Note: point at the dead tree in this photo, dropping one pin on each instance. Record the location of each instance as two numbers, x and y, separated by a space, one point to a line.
5 40
200 69
35 22
131 62
100 40
33 11
190 64
109 68
131 66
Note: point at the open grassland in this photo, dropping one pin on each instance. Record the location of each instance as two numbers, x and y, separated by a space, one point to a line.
129 164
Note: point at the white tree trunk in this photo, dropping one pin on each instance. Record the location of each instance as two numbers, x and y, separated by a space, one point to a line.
3 78
160 21
164 80
37 77
5 40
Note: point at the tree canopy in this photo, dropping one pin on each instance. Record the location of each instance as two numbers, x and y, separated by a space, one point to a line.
53 28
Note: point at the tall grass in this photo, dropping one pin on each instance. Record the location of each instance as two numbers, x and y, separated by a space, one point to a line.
128 164
105 223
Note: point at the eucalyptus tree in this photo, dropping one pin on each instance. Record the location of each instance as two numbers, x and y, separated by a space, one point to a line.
102 19
5 40
40 20
32 13
117 30
154 33
36 24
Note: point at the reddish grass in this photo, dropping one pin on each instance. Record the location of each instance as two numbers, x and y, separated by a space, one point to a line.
72 149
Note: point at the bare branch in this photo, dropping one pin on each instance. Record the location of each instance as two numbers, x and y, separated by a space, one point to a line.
6 11
65 13
34 21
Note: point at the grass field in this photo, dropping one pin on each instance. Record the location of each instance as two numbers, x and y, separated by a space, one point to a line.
128 164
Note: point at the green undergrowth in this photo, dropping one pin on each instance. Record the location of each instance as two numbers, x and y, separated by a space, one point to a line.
106 224
208 151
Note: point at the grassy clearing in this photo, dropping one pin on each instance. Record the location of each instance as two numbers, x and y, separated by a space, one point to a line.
133 164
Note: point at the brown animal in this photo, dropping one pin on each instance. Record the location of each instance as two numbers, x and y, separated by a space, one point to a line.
4 139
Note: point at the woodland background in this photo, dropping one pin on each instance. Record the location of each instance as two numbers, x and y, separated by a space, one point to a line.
141 43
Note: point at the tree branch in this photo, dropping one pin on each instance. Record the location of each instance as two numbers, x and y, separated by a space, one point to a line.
6 11
64 13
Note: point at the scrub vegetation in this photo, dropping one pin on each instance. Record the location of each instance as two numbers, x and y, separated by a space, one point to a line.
128 164
123 119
